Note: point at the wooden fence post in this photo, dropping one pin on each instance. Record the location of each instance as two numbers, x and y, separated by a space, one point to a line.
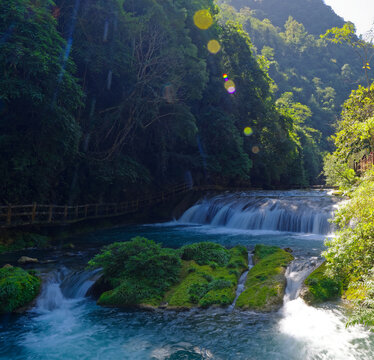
9 215
85 211
76 212
50 214
33 213
66 212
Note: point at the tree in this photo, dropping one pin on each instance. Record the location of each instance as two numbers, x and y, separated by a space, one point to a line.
363 49
39 135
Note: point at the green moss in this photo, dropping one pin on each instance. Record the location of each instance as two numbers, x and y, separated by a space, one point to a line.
198 284
265 284
205 253
319 287
17 288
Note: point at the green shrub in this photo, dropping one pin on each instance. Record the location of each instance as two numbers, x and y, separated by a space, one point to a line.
205 253
17 288
321 287
138 270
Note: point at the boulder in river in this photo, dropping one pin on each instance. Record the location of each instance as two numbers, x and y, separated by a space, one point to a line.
27 260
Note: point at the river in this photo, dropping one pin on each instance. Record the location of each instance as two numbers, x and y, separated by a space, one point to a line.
65 324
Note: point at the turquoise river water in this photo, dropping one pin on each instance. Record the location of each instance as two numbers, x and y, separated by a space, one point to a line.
66 324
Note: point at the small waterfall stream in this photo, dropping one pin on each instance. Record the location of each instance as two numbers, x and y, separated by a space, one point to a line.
241 282
296 273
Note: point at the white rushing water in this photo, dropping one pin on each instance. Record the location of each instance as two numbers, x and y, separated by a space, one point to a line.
317 332
67 325
292 211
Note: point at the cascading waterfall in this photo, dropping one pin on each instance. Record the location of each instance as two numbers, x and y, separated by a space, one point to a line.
296 273
293 211
61 285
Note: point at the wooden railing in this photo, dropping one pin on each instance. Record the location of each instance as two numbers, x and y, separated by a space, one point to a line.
37 214
364 164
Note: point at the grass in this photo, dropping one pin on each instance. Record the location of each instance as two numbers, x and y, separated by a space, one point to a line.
265 284
17 288
320 288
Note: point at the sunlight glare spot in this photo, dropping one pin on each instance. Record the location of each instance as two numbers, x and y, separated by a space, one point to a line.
214 46
248 131
203 19
255 149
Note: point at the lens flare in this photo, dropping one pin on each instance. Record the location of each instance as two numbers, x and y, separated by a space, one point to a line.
226 77
203 19
248 131
255 149
214 46
169 94
230 86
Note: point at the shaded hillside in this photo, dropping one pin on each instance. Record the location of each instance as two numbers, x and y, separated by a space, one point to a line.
304 67
315 15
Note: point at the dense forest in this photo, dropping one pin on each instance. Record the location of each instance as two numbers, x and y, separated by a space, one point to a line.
101 100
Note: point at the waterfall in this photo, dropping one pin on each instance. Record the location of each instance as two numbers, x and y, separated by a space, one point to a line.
296 273
61 285
292 211
241 282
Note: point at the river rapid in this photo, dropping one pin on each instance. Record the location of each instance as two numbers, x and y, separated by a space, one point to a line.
67 324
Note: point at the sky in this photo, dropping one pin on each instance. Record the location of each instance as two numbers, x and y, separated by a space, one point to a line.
360 12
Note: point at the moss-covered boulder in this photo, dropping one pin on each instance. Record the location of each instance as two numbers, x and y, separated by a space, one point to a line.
208 284
141 273
266 281
318 287
17 288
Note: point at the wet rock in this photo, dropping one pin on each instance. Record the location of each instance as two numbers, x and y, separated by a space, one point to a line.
27 260
289 250
50 261
7 266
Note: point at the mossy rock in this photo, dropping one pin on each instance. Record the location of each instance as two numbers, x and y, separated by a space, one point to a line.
208 279
318 287
17 288
266 281
208 285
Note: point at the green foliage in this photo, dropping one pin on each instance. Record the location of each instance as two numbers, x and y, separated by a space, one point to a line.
265 284
138 270
148 104
287 39
321 287
39 97
141 272
17 240
205 253
350 251
17 288
338 173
